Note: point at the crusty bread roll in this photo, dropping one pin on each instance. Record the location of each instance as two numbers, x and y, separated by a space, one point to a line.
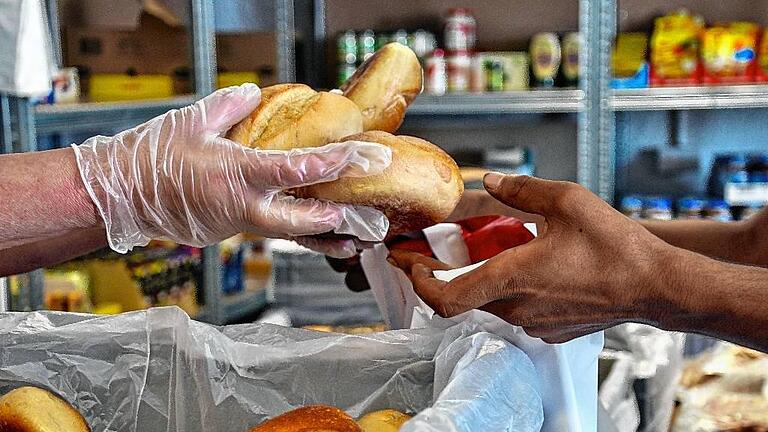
31 409
316 418
384 86
383 421
420 188
294 115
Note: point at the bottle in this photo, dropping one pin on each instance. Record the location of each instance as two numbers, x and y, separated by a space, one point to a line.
632 207
459 73
436 73
346 48
545 59
366 45
717 210
460 30
570 69
658 208
689 208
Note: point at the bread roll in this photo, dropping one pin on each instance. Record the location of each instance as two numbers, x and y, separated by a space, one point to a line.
30 409
317 418
384 86
383 421
420 188
294 115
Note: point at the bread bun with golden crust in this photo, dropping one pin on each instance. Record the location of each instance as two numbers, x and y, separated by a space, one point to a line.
384 86
32 409
420 188
383 421
293 115
316 418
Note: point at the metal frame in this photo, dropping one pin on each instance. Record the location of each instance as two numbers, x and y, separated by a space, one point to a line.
285 32
685 98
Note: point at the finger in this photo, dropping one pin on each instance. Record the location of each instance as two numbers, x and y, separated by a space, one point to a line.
447 299
303 167
558 334
529 194
220 110
405 260
339 249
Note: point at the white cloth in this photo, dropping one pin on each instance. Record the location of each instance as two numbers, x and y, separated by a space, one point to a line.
26 61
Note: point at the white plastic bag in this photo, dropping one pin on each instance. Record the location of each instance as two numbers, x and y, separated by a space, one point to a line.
26 61
159 371
567 372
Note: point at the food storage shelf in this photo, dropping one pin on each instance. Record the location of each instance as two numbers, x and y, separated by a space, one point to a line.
687 98
238 306
513 102
97 117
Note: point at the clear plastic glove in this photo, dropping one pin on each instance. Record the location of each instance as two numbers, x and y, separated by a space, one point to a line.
176 178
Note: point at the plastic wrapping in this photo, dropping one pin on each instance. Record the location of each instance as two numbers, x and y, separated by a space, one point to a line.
174 177
567 372
26 60
158 371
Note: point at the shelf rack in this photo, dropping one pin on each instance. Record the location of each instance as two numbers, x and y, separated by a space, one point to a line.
690 98
514 102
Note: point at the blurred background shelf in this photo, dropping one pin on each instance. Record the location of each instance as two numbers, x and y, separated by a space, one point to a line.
514 102
238 306
686 98
81 117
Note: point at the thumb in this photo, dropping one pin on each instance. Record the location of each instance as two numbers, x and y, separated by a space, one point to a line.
220 110
529 194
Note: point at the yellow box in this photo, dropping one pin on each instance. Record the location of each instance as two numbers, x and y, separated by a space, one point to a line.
119 87
227 79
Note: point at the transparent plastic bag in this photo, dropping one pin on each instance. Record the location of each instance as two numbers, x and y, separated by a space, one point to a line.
159 371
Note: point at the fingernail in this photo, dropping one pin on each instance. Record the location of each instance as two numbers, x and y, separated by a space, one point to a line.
493 180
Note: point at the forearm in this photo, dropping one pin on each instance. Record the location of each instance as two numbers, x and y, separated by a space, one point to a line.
51 251
41 196
703 295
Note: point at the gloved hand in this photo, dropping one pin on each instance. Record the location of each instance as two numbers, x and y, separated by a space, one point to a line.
176 178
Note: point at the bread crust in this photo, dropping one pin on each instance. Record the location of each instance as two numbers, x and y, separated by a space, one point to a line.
32 409
384 86
315 418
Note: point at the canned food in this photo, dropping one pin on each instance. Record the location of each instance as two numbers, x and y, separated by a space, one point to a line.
424 43
495 73
458 65
437 73
401 37
346 48
460 30
366 45
345 72
382 39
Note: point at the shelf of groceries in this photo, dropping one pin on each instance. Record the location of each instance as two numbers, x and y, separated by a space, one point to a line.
686 64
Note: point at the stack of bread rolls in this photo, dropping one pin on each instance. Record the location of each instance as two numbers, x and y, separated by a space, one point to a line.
322 418
32 409
423 184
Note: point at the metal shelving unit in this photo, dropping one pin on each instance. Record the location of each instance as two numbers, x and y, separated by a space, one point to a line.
688 98
517 102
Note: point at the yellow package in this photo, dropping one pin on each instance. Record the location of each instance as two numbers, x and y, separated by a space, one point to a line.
629 53
730 50
118 87
227 79
675 46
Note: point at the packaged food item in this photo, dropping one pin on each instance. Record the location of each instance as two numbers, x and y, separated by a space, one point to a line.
366 45
66 291
124 87
658 208
545 59
460 30
690 208
424 43
494 76
632 207
571 48
458 65
346 48
478 74
228 79
718 210
629 61
761 71
729 53
675 49
436 73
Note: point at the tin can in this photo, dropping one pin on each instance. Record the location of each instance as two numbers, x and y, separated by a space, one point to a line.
366 45
382 39
459 74
346 48
460 30
437 73
401 37
345 72
571 48
424 43
495 72
477 73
